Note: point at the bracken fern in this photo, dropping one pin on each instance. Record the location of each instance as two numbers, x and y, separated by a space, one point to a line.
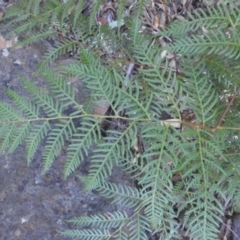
185 165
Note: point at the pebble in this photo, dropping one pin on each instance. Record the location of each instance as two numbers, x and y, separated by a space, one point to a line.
5 52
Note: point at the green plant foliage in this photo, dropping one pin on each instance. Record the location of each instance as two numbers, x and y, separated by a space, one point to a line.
185 164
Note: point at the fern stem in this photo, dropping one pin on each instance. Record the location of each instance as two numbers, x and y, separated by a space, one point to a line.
226 110
189 124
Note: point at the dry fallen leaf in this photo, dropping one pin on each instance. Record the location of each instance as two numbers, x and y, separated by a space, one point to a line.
163 54
176 123
7 43
101 108
163 19
184 2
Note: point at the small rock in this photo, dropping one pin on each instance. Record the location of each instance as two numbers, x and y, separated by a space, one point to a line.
5 52
17 62
59 222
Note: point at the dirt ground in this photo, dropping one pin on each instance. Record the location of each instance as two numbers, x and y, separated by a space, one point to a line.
33 204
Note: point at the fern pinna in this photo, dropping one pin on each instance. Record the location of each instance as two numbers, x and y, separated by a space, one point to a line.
171 131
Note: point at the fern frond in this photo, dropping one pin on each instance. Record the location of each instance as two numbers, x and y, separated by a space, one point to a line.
107 221
224 71
62 91
14 136
36 135
204 207
59 134
206 149
210 43
86 234
201 20
53 53
20 133
87 135
56 12
159 79
24 15
134 24
200 76
17 14
107 153
132 101
28 109
202 95
91 18
97 78
20 18
12 121
9 113
138 227
110 88
28 24
120 11
157 185
126 195
76 12
121 235
6 136
51 107
38 36
212 34
64 13
204 216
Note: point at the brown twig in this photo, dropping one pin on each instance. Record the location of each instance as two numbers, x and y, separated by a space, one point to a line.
225 112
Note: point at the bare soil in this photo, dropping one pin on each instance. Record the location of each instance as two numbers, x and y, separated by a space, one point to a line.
34 204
